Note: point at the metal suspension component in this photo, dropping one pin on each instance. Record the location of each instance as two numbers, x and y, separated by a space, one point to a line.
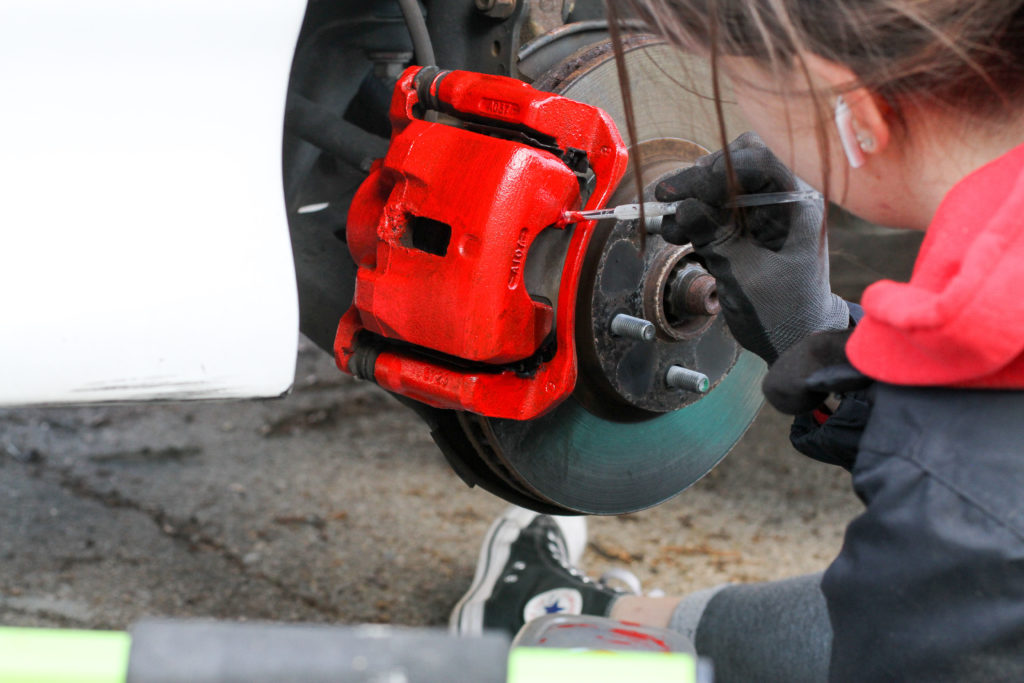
626 440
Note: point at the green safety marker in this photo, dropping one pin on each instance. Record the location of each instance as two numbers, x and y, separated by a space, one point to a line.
36 655
550 665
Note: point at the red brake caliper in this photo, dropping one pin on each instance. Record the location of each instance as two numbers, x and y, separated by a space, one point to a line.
441 232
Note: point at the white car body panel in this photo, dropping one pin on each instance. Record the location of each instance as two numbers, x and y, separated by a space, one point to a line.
144 250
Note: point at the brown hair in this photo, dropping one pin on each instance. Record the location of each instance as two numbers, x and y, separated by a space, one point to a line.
965 56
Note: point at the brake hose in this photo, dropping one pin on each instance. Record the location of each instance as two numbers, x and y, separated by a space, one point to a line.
418 32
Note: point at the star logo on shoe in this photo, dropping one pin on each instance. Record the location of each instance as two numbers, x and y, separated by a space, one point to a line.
554 601
554 608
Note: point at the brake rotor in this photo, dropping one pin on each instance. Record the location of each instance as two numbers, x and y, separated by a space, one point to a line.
626 440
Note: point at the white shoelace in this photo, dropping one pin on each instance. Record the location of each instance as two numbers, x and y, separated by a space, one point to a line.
628 579
618 574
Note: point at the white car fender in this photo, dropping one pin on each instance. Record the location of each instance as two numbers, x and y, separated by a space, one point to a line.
144 250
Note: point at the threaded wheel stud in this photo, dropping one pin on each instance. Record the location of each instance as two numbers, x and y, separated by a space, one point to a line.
679 377
632 328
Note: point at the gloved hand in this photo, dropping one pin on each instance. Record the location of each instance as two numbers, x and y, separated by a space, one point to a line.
771 262
803 378
811 370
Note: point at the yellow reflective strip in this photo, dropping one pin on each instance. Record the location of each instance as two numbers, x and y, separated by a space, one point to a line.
550 665
36 655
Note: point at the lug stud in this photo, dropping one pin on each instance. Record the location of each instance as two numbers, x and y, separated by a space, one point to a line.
633 328
679 377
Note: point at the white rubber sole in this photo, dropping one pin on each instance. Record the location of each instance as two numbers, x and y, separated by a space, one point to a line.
467 617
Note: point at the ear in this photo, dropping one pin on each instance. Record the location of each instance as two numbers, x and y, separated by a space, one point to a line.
867 111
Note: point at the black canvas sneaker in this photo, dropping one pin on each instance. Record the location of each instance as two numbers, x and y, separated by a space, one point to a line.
525 571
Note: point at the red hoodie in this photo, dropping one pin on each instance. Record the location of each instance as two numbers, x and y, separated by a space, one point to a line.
960 319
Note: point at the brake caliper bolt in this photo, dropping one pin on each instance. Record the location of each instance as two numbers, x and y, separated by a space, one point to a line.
679 377
633 328
496 9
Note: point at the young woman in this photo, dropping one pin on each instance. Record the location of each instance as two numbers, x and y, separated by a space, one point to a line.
909 114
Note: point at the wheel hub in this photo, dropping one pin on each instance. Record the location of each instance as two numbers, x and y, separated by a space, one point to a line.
627 440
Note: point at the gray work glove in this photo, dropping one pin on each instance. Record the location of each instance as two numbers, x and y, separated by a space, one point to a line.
771 262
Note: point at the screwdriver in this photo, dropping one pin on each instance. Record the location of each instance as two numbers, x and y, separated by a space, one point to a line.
656 210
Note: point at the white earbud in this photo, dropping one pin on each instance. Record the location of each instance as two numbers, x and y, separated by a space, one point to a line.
853 147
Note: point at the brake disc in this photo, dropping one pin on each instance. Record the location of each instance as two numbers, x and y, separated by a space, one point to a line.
626 440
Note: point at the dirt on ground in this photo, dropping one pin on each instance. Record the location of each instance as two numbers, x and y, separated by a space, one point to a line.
334 505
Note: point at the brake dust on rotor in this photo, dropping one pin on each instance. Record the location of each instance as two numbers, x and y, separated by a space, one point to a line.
442 233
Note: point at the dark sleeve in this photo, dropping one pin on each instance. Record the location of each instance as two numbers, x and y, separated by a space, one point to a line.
929 585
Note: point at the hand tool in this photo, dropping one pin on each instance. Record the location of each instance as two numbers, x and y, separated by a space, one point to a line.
631 212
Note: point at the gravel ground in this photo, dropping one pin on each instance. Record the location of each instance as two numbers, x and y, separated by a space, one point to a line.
333 505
